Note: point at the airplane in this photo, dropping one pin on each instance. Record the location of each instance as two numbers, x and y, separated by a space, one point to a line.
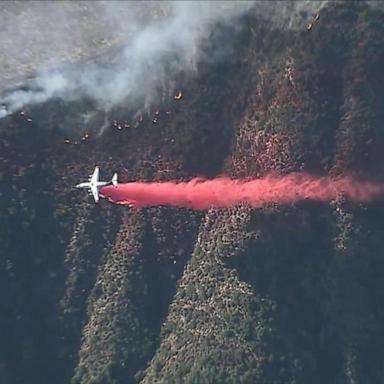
94 184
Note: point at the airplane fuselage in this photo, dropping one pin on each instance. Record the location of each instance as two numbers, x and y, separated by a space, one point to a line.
89 184
94 184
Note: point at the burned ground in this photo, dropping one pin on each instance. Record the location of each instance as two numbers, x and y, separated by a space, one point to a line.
109 294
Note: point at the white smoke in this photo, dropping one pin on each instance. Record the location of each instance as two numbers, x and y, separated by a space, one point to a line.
115 51
46 86
154 40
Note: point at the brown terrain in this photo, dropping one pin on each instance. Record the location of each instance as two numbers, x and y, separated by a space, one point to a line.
283 294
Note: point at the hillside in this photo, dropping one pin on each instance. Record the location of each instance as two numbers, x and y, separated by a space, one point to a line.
283 294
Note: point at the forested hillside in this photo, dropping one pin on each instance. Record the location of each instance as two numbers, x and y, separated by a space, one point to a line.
281 294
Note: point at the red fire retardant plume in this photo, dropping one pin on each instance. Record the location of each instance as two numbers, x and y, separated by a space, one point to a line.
224 192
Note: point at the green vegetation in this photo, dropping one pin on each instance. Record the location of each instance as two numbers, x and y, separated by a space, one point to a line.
293 294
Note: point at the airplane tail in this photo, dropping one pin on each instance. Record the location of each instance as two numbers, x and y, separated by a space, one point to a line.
114 180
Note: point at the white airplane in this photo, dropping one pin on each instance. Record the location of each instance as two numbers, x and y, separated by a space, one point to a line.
94 184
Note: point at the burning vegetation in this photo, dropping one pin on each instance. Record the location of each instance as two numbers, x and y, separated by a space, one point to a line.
283 293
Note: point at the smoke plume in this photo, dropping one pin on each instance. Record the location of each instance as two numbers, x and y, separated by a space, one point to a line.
146 43
225 192
116 51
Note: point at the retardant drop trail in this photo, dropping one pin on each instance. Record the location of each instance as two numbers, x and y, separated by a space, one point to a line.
224 192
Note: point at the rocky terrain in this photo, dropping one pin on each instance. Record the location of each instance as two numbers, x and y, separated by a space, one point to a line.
283 294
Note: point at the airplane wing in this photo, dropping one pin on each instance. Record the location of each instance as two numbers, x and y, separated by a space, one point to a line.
95 176
95 193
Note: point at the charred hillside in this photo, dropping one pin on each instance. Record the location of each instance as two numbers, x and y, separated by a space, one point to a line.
110 294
